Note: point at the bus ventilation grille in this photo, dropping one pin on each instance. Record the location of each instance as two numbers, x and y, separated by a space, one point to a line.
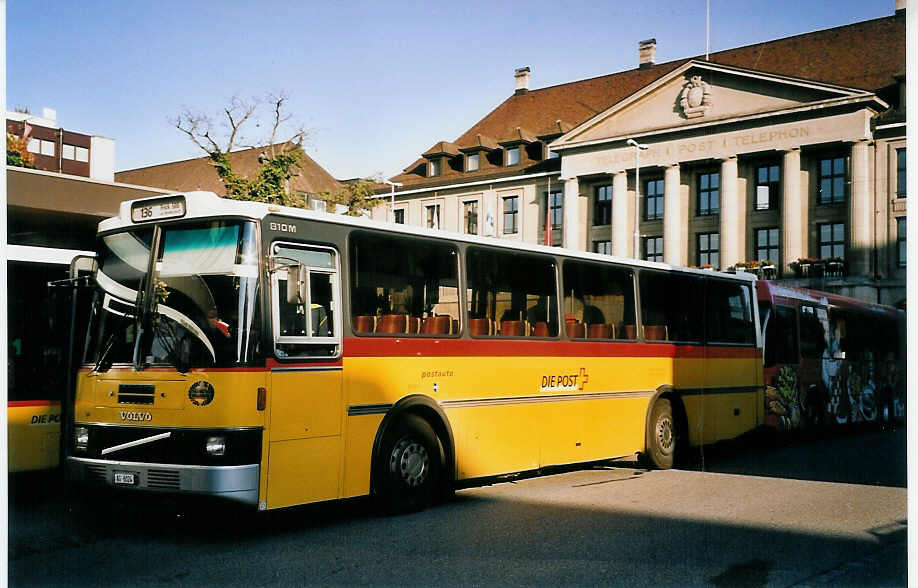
136 394
96 473
163 479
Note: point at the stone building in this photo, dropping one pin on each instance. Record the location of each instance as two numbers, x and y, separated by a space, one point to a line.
790 151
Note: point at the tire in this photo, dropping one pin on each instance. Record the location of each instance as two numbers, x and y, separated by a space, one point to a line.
662 436
410 466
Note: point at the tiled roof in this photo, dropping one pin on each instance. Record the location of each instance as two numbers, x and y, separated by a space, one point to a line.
199 174
867 55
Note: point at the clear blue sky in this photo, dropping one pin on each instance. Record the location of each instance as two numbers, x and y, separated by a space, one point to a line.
375 83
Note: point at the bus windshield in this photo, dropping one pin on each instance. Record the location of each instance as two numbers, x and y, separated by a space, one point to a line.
198 307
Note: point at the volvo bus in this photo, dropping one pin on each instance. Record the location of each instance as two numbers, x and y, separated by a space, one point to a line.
274 356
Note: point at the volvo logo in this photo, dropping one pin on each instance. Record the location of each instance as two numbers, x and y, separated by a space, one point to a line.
136 416
201 393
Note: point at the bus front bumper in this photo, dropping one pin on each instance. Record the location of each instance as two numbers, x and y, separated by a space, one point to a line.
238 483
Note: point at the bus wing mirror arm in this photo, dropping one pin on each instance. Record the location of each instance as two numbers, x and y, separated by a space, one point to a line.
296 284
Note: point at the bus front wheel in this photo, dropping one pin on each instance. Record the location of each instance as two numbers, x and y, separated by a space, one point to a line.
662 436
410 465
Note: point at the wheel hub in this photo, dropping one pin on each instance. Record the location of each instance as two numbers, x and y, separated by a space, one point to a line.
665 437
411 461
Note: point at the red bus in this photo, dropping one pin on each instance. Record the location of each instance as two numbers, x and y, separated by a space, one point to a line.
830 360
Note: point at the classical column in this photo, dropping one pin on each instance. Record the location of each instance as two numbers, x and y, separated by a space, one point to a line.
793 210
859 211
674 225
622 225
571 211
729 214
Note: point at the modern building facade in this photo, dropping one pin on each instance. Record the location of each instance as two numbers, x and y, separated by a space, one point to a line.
56 149
789 153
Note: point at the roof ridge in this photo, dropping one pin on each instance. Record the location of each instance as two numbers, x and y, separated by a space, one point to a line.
681 60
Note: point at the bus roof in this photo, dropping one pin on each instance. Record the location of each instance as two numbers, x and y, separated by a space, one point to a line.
207 204
771 290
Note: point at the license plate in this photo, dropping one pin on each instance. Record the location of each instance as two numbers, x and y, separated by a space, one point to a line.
125 478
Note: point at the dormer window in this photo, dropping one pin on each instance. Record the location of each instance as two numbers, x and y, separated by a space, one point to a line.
435 168
512 156
472 162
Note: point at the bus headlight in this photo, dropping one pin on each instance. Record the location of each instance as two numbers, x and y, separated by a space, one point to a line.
215 446
80 438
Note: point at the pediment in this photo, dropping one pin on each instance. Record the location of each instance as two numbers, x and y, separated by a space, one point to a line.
701 92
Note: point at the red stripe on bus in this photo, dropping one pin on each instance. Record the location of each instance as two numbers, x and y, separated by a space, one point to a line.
407 347
20 403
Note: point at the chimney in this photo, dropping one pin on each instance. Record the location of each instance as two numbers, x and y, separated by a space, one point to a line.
49 113
522 80
900 6
646 50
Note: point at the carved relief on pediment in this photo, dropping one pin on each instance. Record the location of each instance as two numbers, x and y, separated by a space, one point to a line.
695 97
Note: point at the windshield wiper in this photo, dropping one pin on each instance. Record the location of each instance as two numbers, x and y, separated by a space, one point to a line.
103 364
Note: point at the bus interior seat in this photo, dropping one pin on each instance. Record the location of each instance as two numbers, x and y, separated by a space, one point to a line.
479 326
392 324
656 332
575 330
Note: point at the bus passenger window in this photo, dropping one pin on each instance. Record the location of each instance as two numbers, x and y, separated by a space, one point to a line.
305 327
598 301
672 306
403 286
729 312
812 333
511 294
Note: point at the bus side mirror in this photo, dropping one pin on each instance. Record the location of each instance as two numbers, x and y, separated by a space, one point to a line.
296 284
83 264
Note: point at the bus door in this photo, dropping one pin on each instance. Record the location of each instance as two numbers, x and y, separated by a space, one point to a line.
305 441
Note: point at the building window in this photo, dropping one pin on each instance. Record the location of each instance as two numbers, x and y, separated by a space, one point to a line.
555 202
68 151
470 217
511 214
604 247
513 156
472 162
435 168
900 239
708 193
653 248
41 147
831 241
602 206
900 173
433 216
832 180
400 216
767 244
708 248
82 154
653 199
767 187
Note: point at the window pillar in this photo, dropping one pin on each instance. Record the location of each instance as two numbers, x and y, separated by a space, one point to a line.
860 219
730 226
793 209
674 221
622 224
571 214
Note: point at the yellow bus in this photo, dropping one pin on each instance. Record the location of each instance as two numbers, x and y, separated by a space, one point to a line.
275 357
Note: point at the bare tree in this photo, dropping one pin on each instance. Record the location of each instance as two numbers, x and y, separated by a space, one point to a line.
279 158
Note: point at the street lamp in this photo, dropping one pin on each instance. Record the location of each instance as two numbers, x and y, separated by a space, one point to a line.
392 198
638 147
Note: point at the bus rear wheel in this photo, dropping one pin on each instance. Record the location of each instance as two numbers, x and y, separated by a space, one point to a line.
410 465
662 436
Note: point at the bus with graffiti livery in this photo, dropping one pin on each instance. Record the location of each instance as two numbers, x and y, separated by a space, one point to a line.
830 360
275 356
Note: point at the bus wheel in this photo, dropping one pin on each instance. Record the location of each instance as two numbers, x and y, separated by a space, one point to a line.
410 464
662 436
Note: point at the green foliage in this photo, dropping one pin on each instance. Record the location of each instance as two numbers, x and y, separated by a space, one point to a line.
357 196
271 183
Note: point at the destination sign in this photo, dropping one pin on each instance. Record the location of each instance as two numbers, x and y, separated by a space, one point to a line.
159 209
